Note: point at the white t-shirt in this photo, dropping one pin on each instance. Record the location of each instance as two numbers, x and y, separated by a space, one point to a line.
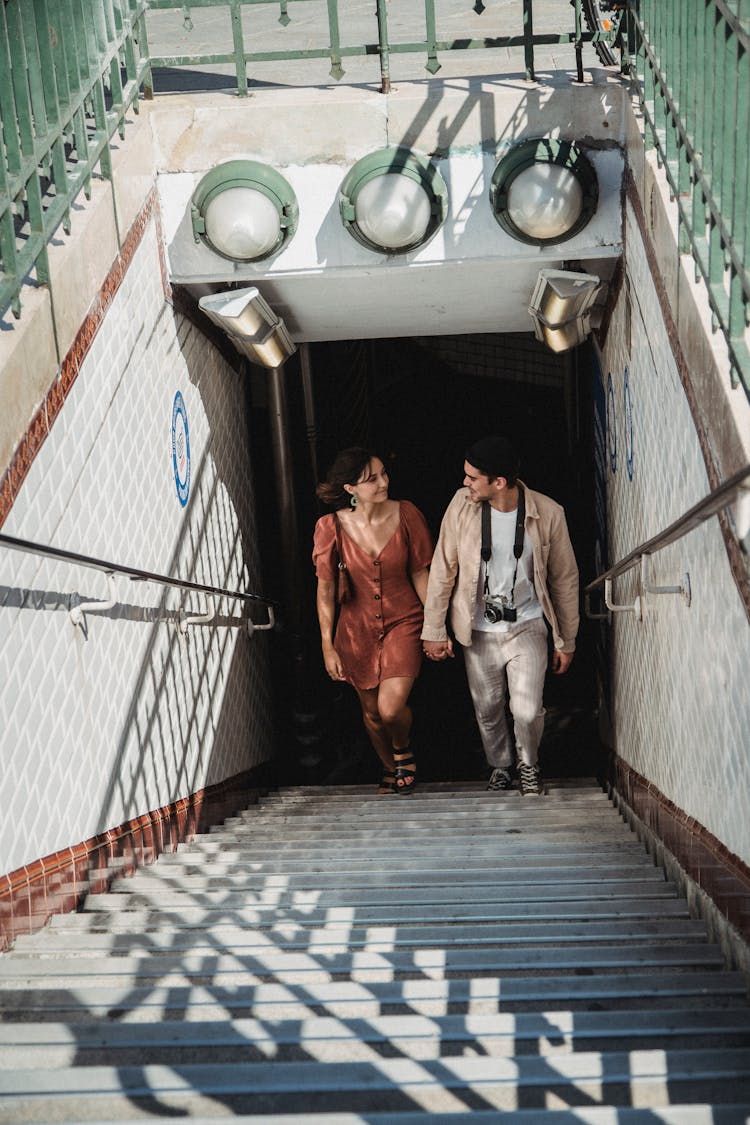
501 566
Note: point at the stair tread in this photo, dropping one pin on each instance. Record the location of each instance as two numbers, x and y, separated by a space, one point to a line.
409 961
46 943
614 1067
424 995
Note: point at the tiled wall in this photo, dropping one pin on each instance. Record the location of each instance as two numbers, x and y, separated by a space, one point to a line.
102 725
679 677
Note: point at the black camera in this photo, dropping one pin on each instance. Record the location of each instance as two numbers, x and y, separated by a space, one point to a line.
498 610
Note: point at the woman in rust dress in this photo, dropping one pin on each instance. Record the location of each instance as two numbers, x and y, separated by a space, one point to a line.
386 548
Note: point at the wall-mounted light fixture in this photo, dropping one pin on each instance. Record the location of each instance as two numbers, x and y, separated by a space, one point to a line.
561 307
244 210
251 324
393 200
544 191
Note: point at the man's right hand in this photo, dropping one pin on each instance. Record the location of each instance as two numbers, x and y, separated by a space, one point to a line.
437 650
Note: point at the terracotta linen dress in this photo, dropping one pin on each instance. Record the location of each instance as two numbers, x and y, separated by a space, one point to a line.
378 631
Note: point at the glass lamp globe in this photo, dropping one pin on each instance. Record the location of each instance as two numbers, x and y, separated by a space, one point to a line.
545 201
242 223
392 211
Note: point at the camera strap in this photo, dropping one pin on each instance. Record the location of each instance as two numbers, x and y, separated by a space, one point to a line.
487 539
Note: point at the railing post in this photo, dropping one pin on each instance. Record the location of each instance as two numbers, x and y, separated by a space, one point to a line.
528 36
385 58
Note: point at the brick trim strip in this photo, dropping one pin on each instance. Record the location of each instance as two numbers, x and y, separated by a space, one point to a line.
734 552
723 876
58 883
44 418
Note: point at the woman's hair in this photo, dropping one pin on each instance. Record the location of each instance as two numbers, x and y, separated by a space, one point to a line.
346 469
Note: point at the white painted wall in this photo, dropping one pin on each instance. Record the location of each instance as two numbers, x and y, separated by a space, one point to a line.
99 727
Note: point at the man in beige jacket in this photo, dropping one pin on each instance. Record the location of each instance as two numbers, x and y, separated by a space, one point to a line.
504 567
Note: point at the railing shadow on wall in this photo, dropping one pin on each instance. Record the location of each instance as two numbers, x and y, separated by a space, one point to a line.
184 661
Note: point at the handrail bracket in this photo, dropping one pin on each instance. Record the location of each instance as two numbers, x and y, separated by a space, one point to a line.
636 607
78 612
269 624
683 589
186 620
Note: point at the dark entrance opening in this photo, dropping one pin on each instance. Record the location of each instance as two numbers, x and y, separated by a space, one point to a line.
419 403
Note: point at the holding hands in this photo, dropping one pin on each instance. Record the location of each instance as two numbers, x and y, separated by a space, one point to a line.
437 650
332 661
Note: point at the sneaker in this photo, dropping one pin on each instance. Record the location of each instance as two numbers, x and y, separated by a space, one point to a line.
500 779
530 780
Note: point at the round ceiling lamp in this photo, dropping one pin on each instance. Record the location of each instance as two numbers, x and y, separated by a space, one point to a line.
244 210
544 191
393 200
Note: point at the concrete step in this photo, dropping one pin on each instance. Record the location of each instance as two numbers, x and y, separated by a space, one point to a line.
436 996
376 961
379 874
298 935
475 849
379 830
683 1114
642 1078
304 913
189 860
231 969
608 891
328 1039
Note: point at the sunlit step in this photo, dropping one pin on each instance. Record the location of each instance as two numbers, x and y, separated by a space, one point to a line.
485 995
296 934
637 1078
327 1039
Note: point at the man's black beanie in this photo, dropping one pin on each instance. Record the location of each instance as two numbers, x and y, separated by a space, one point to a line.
494 456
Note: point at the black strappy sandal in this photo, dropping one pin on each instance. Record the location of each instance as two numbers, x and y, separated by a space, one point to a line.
387 783
405 772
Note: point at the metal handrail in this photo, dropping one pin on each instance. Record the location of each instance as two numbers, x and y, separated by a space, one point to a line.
701 512
134 573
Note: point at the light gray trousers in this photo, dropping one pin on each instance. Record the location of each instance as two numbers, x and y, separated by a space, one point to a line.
509 667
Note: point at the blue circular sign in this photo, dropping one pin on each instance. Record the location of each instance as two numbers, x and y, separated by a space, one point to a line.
611 424
181 449
628 408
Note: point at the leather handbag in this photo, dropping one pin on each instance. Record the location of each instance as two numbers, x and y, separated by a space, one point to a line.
344 590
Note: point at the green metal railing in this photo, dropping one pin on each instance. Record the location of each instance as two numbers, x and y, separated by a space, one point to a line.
690 62
382 46
69 72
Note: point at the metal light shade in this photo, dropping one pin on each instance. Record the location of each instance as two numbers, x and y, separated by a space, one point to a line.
242 223
393 200
544 191
244 210
545 201
560 307
251 324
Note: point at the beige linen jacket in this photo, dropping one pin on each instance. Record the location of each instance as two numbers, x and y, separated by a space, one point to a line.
454 572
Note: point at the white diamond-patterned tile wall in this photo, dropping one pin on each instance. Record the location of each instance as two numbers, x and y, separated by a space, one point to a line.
106 725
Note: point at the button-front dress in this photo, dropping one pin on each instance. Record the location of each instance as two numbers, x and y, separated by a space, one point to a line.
378 631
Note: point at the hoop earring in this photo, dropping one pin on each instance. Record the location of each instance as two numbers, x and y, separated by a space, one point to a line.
353 501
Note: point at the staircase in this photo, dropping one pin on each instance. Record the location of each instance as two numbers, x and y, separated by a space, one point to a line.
335 957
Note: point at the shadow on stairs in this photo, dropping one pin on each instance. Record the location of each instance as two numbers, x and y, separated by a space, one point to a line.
332 957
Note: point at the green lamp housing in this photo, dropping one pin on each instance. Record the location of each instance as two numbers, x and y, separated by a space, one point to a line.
544 191
393 200
244 210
